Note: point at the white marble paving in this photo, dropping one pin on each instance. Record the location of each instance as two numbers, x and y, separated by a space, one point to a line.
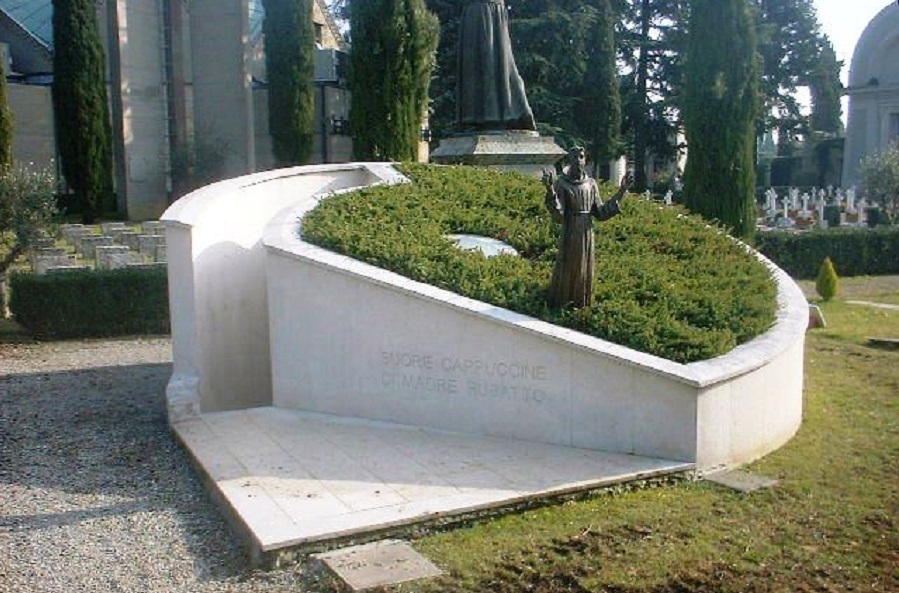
293 478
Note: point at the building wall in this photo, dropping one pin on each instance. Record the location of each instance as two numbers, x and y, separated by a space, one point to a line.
222 86
873 93
139 104
28 56
33 137
204 98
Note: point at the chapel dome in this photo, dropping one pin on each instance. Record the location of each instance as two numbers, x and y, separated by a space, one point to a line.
876 57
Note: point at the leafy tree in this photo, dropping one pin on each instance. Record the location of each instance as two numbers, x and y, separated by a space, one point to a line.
653 39
289 60
720 109
880 178
83 131
442 109
789 42
5 125
27 211
391 61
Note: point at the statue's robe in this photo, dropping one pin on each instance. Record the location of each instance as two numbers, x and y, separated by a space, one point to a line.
490 93
575 203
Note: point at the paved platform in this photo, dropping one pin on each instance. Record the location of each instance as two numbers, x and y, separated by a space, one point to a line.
291 479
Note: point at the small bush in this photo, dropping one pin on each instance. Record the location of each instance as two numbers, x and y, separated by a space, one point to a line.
92 303
826 283
880 177
832 215
667 283
855 252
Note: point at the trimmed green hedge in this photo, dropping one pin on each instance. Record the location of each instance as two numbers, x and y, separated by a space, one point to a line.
854 252
667 283
92 303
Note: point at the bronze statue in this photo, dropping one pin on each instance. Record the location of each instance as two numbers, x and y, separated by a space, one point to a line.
573 199
489 91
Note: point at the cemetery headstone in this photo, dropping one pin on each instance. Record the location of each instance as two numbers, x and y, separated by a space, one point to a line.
88 244
130 239
147 244
44 263
124 259
104 255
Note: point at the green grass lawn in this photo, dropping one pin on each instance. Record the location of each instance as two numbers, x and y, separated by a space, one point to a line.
831 525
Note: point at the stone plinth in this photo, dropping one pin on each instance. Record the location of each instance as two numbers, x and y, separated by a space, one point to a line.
522 151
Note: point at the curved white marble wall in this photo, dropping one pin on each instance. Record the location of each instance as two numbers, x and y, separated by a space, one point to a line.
262 318
217 287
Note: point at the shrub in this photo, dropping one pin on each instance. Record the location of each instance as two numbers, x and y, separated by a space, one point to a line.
27 210
855 252
92 303
826 283
667 283
832 215
880 175
80 106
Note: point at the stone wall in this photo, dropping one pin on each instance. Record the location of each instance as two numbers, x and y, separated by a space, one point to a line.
33 137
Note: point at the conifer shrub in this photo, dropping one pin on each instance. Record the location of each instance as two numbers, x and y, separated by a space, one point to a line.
92 303
80 106
667 282
855 252
826 283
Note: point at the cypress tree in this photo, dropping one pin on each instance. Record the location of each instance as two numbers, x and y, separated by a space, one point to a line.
826 88
720 105
289 60
83 129
601 104
5 124
394 43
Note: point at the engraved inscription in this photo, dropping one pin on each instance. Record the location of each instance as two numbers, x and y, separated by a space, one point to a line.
475 377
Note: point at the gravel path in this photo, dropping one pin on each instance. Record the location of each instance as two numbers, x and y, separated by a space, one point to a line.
95 494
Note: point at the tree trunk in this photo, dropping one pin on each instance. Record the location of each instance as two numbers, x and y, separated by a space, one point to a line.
640 124
4 298
5 264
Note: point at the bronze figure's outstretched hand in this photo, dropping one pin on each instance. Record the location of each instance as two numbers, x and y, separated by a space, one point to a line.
626 182
548 178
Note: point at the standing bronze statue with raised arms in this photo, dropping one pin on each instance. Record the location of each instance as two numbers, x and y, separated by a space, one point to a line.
573 199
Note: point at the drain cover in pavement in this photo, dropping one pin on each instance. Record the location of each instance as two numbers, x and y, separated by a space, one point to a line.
378 564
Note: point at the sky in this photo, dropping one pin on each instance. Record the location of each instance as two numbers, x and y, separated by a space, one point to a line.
843 21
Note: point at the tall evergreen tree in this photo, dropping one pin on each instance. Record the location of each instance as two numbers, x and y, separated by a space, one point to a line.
721 96
5 124
83 130
393 53
600 105
289 59
826 88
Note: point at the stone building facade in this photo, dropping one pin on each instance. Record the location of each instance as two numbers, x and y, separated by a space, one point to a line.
188 92
873 92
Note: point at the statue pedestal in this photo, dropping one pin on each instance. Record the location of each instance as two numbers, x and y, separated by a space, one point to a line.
511 150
